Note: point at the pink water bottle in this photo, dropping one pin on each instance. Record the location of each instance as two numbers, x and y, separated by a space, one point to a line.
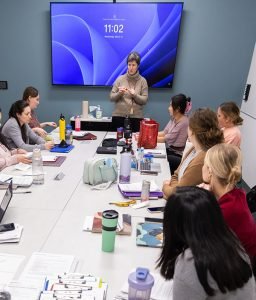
77 123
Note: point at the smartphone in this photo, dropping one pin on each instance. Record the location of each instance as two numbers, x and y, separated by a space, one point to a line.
155 209
7 227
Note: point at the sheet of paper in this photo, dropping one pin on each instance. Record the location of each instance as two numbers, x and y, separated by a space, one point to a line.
9 265
22 291
22 167
41 265
49 157
136 186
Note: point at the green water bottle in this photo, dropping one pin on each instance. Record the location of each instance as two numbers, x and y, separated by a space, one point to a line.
109 224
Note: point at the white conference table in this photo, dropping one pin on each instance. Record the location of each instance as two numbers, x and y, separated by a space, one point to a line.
54 213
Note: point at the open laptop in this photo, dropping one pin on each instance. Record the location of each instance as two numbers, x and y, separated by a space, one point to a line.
5 198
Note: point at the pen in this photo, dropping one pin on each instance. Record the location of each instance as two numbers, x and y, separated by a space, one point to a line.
25 192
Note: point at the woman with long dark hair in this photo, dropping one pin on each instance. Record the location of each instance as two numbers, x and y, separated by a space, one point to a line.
200 253
17 132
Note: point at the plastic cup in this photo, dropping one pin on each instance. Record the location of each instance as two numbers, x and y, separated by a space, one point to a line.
140 284
109 224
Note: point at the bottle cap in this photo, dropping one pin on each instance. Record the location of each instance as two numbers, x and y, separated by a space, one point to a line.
141 279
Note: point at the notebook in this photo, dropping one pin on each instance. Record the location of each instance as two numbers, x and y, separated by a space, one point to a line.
23 181
149 234
6 198
94 224
62 150
134 189
86 136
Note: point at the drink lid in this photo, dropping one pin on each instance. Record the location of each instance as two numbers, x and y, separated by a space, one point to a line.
110 214
141 279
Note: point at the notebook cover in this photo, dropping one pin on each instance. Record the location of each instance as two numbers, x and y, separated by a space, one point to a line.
158 194
127 224
57 163
149 234
106 150
62 150
87 136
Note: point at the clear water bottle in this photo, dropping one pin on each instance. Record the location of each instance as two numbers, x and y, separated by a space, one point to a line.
98 112
140 284
125 165
69 135
37 167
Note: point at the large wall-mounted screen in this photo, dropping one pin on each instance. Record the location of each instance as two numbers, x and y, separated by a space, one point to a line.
90 41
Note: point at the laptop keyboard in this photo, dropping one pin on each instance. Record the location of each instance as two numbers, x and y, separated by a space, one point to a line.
16 180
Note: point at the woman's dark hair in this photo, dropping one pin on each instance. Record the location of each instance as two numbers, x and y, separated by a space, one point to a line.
179 102
133 56
30 91
232 111
204 125
193 219
18 108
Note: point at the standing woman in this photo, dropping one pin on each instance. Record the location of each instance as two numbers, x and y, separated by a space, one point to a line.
31 95
200 253
175 133
222 171
203 133
130 94
229 120
17 132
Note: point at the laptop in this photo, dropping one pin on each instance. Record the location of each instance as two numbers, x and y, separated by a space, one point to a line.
5 198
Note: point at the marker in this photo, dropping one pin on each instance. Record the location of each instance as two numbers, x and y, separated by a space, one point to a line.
25 192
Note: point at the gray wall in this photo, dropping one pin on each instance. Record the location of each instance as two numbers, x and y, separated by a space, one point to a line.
215 48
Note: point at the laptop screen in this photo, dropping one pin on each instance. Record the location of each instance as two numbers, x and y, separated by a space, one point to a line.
5 200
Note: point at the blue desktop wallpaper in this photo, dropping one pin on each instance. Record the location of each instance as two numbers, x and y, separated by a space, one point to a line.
91 41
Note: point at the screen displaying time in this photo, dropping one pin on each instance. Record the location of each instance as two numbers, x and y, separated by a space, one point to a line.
91 41
114 28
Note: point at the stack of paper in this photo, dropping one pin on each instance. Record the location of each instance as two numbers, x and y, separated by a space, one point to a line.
74 286
12 236
41 265
134 189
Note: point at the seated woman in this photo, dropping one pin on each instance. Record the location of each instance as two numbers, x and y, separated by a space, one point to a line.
222 171
200 253
130 94
17 132
11 157
175 133
31 95
229 120
203 133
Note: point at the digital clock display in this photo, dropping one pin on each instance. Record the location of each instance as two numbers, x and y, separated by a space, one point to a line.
109 28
